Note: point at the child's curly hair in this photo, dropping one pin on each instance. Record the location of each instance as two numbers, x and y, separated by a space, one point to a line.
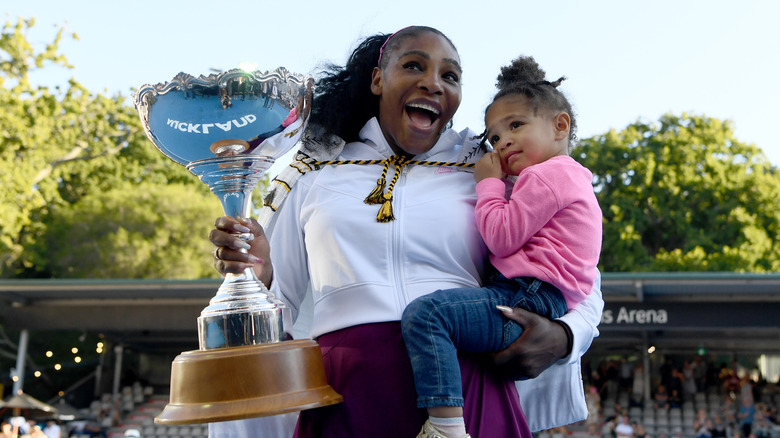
524 77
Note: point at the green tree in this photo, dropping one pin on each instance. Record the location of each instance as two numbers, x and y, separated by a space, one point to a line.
684 195
78 167
85 194
134 230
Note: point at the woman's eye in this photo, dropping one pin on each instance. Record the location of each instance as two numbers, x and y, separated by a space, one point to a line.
413 66
452 77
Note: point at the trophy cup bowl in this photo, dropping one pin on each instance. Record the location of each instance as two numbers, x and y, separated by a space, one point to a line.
217 126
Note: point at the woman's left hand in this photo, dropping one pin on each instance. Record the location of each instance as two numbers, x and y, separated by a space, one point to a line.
542 343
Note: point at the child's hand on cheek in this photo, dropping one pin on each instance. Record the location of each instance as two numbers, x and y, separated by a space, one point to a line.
489 166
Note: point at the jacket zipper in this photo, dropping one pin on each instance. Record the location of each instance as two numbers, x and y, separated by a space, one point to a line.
398 240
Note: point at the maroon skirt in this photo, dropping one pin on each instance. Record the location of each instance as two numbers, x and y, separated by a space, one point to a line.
369 366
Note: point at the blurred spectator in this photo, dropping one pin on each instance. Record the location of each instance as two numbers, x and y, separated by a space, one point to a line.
666 372
608 428
675 400
83 427
623 428
746 387
728 409
19 423
626 374
718 428
612 376
587 371
700 374
689 381
36 432
638 386
745 415
593 402
601 378
770 412
619 410
661 398
733 431
52 429
700 419
761 426
759 386
732 383
676 383
639 431
704 429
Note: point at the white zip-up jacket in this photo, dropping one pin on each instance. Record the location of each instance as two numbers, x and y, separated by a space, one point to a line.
363 271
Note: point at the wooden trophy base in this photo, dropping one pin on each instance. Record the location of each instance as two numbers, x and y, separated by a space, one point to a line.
249 381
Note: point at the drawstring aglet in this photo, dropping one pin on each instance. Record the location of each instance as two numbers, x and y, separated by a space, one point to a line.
377 195
386 211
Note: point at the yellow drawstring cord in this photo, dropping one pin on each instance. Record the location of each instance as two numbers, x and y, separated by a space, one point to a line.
378 194
386 210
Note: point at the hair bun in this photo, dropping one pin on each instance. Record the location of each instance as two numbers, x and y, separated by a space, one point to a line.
523 69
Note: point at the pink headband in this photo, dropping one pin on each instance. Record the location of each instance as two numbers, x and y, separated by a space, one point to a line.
382 49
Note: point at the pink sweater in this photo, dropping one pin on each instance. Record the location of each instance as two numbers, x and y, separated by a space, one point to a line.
550 228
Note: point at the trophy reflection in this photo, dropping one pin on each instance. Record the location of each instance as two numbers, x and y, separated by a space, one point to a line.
227 129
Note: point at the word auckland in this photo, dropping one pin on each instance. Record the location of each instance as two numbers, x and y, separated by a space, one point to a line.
203 128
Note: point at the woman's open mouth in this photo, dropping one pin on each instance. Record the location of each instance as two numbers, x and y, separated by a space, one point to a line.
422 115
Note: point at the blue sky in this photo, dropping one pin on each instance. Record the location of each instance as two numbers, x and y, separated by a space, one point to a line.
625 60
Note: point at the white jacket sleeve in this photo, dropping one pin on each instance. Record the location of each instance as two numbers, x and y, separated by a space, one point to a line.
288 251
583 321
556 397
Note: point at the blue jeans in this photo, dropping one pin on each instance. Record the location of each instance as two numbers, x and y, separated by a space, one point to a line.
437 325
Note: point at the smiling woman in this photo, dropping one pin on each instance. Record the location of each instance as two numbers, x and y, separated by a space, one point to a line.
419 91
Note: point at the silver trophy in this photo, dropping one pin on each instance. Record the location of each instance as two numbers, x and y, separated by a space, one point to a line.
227 129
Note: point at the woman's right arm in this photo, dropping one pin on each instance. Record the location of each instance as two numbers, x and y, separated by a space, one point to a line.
288 277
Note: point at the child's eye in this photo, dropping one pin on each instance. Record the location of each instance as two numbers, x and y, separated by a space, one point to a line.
494 140
515 125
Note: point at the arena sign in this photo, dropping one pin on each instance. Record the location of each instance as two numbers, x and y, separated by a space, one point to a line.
634 316
675 314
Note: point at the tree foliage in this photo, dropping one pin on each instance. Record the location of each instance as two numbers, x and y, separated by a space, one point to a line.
684 195
77 166
134 230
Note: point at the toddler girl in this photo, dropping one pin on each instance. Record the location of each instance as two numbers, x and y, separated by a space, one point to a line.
544 241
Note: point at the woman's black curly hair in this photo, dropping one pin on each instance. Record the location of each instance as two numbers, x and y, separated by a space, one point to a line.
343 101
526 78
